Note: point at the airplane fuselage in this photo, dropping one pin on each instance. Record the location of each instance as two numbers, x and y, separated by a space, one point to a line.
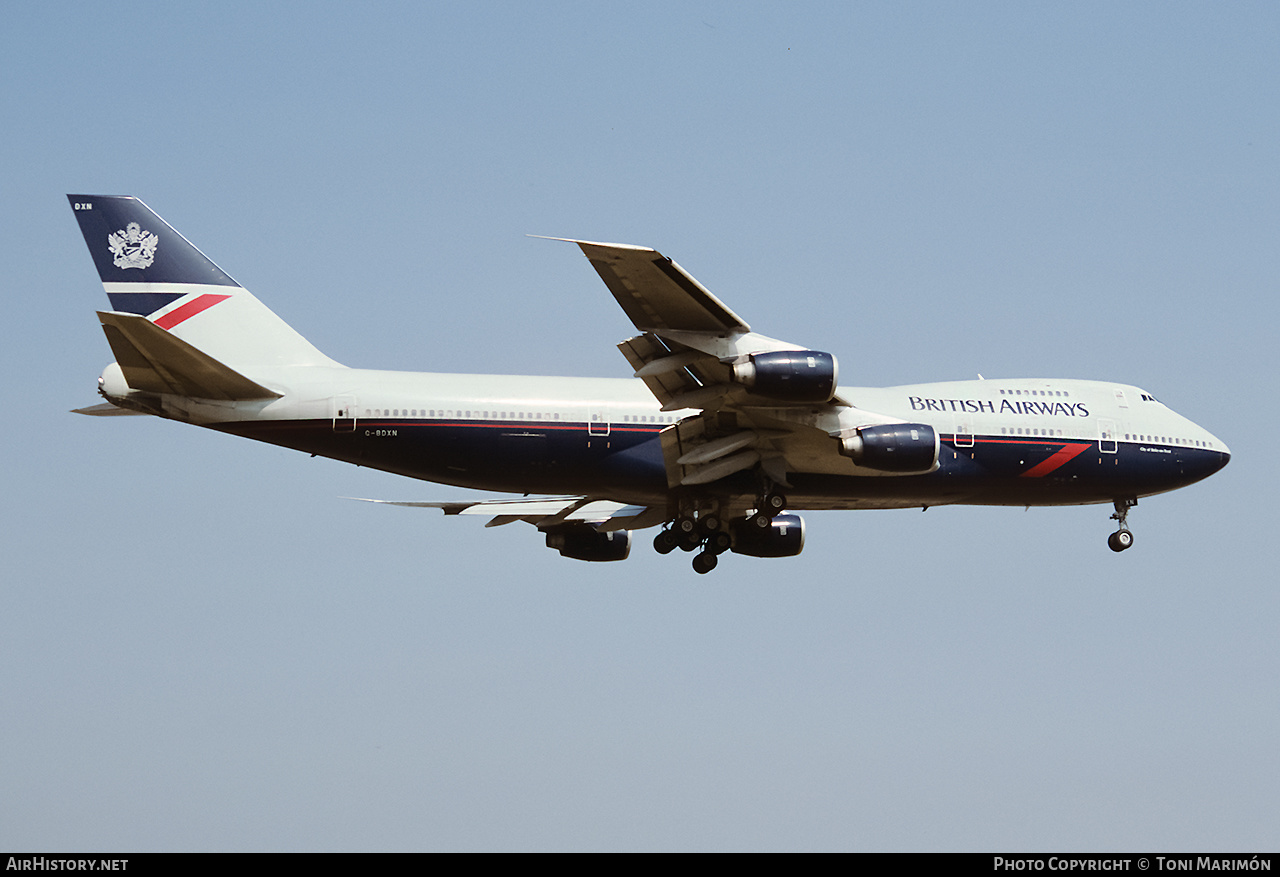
1003 442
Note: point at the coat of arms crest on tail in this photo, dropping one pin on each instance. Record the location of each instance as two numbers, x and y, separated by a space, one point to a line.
133 247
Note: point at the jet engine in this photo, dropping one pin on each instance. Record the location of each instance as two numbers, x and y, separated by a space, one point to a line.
893 447
790 375
784 537
584 542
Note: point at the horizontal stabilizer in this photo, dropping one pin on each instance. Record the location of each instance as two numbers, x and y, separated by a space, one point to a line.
155 361
106 409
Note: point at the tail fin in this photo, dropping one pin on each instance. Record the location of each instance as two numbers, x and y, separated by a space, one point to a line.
150 270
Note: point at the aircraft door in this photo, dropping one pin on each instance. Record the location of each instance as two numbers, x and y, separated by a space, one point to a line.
964 431
598 421
344 413
598 427
1106 435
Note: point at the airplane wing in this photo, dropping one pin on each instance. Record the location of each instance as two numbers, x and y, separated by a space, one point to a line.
656 293
547 511
691 339
696 353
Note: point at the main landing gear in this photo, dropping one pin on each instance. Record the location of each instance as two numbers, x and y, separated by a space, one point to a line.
1121 538
768 506
690 533
706 530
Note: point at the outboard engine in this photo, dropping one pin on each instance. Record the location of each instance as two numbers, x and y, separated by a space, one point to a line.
784 537
585 542
791 375
894 447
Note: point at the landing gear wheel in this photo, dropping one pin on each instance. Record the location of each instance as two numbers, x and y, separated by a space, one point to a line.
770 505
708 524
666 542
705 562
1120 540
719 543
686 525
689 541
761 521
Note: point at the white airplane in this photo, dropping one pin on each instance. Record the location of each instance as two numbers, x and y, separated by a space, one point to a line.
720 434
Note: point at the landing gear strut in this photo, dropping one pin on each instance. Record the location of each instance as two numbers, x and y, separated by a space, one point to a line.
1121 538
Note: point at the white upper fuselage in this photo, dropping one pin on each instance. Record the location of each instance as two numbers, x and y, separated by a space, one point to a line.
1059 408
487 431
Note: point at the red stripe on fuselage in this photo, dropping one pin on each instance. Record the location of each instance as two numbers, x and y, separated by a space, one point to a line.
1061 458
189 310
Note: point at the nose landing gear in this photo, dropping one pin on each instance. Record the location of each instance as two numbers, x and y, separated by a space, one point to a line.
1121 538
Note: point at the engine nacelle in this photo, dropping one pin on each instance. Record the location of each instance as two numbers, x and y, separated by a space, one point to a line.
584 542
784 537
894 447
791 375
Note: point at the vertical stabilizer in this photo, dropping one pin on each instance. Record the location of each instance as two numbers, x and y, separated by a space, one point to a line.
150 270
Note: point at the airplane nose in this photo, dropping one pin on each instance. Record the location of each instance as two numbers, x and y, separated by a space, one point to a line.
1224 454
1206 462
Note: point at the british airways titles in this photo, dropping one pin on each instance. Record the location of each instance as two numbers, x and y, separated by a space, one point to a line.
978 406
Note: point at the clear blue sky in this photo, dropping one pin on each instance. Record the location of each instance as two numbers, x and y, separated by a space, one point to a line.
203 647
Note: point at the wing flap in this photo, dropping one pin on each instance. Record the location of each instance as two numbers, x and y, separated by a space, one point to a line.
547 511
663 372
678 376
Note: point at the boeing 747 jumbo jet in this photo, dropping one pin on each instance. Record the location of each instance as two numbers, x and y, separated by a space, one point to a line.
721 434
